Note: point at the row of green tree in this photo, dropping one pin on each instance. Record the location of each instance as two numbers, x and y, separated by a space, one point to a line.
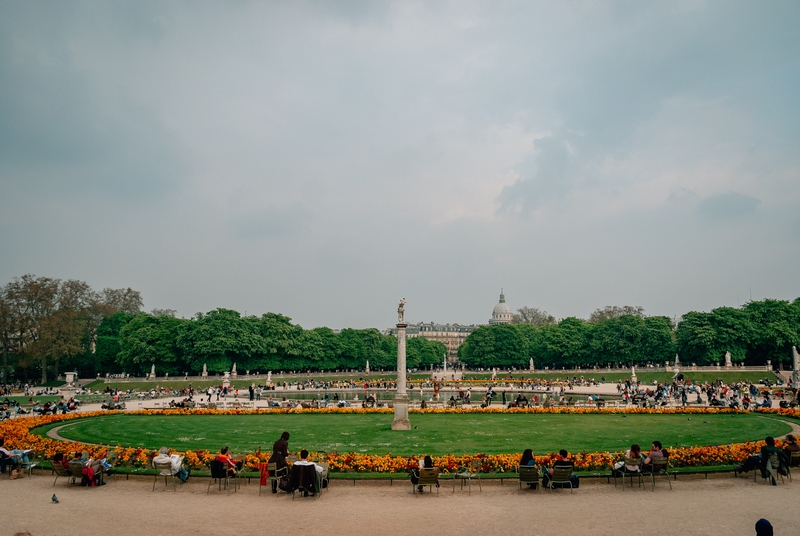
48 325
758 332
270 342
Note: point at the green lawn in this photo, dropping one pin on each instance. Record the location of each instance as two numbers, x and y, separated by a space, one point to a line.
240 382
432 434
642 376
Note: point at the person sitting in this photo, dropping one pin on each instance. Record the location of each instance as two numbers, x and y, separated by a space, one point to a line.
424 463
231 465
92 470
11 458
59 458
760 460
527 460
175 461
766 403
791 446
634 453
305 462
562 460
657 451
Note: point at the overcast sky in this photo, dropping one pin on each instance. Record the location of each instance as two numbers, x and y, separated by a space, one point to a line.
324 159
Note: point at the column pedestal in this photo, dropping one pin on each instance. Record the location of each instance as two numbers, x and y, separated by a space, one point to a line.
401 421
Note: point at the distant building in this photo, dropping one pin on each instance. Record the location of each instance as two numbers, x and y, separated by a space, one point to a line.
451 335
454 335
502 313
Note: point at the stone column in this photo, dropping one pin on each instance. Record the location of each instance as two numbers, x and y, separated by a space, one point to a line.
795 370
401 421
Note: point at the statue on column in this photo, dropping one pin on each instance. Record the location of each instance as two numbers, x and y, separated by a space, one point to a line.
401 311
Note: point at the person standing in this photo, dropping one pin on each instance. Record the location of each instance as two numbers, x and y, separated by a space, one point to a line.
280 450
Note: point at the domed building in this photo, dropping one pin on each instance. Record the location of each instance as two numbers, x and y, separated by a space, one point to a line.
502 313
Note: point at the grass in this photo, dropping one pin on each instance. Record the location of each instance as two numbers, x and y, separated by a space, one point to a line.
643 376
433 434
241 383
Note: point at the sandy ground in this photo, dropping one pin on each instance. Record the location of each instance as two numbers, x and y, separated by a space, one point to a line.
723 505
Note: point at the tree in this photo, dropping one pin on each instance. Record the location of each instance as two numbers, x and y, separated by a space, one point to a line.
147 340
566 343
615 311
220 338
532 315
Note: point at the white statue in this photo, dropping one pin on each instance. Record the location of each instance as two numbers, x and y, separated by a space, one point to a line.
153 371
401 311
530 367
677 361
233 370
367 366
205 370
727 359
269 376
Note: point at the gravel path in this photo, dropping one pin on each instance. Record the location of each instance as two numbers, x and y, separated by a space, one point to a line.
724 506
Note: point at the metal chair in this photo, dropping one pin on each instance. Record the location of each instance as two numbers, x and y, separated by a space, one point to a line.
165 469
60 471
466 474
658 466
428 476
274 474
628 462
772 473
794 460
561 475
528 474
219 474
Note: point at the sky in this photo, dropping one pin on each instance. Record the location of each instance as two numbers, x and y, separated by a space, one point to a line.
323 159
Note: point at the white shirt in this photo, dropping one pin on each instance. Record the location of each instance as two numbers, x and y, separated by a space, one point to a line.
175 460
317 468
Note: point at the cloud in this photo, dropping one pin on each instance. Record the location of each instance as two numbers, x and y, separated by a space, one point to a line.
728 206
323 159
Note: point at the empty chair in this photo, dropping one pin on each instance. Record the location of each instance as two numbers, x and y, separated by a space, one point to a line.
466 474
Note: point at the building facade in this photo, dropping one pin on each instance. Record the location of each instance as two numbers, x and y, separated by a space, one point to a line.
451 335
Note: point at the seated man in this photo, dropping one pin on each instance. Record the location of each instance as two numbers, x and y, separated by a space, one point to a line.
762 458
304 461
791 446
561 461
657 451
175 460
232 465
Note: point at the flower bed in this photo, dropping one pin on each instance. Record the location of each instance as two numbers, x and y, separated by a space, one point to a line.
17 436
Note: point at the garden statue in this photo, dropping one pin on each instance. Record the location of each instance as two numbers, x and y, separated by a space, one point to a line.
367 369
531 364
153 371
727 359
205 371
269 376
400 311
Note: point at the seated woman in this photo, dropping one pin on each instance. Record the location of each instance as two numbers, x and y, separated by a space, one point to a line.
527 461
232 465
424 463
621 468
760 460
